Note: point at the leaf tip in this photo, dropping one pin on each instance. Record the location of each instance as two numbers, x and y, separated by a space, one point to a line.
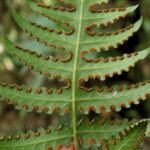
136 6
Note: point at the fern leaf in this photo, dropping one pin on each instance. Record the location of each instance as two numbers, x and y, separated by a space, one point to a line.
95 132
148 128
44 139
107 18
106 40
54 12
108 100
52 138
77 38
43 99
47 36
39 63
129 139
89 17
100 41
111 66
112 98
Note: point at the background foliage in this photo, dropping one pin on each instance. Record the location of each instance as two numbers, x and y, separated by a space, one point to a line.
12 121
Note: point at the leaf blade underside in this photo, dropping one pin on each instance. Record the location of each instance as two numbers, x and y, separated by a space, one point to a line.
96 131
130 139
112 98
110 65
39 62
73 68
29 98
54 137
148 128
45 139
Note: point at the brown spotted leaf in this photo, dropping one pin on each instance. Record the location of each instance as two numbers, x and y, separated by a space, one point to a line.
113 98
43 139
95 132
60 137
75 38
129 139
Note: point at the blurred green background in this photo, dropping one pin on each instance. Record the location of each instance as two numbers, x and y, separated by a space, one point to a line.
12 120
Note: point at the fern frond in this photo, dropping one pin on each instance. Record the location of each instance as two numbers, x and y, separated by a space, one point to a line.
53 137
107 40
100 41
108 67
107 18
129 139
46 139
113 15
96 131
148 128
43 99
45 35
77 37
112 98
42 63
53 11
98 66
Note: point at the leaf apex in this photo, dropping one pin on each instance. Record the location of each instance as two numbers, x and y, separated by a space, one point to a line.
136 6
141 19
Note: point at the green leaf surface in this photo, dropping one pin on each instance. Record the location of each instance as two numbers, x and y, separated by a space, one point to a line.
53 137
40 63
85 42
44 35
106 42
112 98
93 133
101 68
33 100
84 69
148 128
50 138
75 40
130 139
106 17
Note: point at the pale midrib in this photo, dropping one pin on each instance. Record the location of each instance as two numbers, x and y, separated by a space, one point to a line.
74 121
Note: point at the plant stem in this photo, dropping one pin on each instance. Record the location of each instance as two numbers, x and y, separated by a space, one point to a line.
74 120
